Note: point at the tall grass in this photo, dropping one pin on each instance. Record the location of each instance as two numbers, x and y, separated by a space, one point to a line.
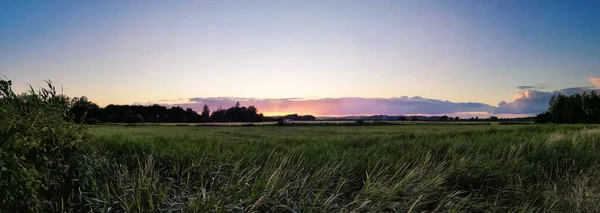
333 169
48 164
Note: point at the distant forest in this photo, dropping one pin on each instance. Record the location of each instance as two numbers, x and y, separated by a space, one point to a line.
576 108
84 111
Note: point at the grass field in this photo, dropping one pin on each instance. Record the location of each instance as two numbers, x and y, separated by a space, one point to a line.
396 168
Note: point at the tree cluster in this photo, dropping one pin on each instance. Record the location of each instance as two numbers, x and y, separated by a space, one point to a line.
576 108
236 114
81 110
296 117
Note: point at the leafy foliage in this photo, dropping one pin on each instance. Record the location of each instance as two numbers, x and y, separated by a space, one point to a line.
37 148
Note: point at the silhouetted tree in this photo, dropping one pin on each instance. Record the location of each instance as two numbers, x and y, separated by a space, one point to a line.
545 117
296 117
576 108
402 118
456 118
84 111
205 113
236 114
81 110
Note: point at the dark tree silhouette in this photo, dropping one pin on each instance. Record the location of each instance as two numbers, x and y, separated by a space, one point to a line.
205 113
81 110
296 117
576 108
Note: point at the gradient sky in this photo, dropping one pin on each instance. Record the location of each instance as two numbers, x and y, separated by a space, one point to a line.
125 52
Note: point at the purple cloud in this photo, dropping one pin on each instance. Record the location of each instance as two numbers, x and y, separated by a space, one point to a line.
525 103
534 102
345 106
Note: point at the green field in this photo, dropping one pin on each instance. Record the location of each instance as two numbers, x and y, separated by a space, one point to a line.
396 168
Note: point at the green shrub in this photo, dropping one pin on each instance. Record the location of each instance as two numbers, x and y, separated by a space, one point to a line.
37 148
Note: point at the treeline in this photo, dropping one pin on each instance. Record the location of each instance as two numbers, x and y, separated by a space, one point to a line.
576 108
295 117
81 110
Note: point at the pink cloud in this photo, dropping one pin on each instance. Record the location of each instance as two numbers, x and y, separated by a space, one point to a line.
344 106
526 102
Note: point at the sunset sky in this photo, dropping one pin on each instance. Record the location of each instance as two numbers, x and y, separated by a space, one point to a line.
464 57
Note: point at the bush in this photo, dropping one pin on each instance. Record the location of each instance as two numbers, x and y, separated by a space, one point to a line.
37 148
360 122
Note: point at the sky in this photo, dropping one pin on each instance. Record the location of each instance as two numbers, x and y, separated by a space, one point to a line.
466 57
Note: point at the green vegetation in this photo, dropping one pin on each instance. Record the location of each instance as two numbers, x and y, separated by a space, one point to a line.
48 164
39 150
347 168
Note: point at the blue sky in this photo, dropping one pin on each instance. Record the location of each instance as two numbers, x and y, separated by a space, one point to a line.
458 51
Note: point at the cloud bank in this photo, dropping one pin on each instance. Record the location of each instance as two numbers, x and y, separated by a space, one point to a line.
345 106
534 101
528 102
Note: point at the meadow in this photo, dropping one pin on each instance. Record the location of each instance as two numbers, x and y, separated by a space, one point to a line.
337 168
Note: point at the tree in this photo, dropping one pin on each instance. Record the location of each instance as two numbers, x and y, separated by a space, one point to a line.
402 118
296 117
456 118
545 117
576 108
444 118
191 116
218 115
205 113
493 118
81 110
132 116
591 106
